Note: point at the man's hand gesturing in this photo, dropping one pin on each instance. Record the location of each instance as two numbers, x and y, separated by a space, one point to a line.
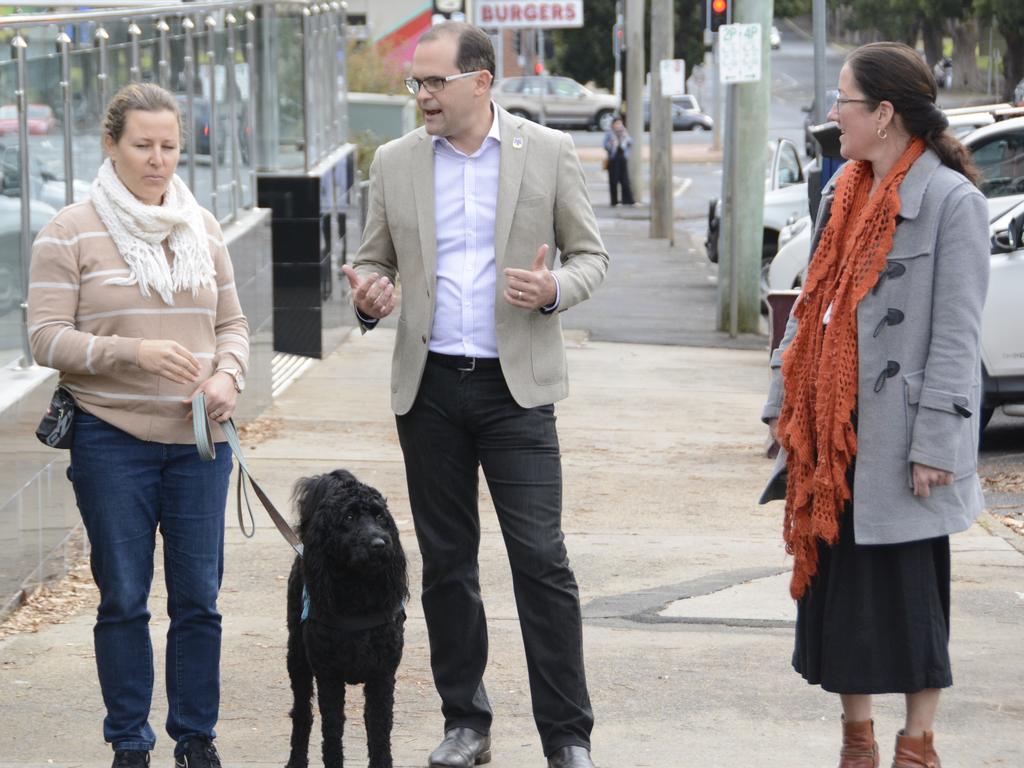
374 297
531 288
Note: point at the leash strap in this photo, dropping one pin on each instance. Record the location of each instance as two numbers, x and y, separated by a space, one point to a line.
207 451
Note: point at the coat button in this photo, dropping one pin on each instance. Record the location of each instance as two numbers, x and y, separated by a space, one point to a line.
892 317
891 369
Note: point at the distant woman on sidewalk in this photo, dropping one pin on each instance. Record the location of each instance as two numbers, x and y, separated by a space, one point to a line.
875 398
132 298
617 143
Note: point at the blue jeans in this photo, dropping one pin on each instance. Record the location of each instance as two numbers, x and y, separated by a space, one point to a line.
125 489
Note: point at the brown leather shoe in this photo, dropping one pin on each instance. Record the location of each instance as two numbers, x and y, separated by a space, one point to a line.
859 750
461 748
570 757
915 752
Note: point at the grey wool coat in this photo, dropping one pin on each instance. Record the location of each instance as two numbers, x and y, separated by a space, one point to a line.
919 358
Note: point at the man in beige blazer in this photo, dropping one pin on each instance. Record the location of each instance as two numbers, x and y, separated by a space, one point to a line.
471 210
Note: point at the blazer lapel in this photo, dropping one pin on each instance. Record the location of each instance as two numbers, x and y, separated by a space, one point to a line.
514 146
422 169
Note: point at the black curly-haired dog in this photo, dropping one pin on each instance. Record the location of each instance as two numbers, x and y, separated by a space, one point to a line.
346 616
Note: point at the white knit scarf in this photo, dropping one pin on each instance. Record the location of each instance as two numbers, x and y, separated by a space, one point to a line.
138 231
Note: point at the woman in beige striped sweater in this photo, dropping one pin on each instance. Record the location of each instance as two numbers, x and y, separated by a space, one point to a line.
132 299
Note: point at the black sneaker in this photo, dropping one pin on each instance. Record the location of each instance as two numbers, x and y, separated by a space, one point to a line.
131 758
199 753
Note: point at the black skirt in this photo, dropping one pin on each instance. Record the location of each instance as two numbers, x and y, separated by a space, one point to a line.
876 618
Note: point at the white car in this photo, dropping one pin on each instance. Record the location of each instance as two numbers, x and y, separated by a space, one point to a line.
785 195
1002 343
998 152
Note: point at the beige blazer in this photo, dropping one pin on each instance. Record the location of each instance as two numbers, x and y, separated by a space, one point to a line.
542 198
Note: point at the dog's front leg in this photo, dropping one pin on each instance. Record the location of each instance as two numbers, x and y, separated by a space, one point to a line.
331 696
378 714
301 677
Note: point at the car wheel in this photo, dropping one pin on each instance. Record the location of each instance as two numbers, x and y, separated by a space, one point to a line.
697 128
520 113
603 120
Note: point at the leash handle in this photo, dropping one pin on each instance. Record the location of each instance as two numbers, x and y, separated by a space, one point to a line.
207 451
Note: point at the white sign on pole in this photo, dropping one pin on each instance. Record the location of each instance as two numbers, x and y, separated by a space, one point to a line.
673 77
739 53
538 14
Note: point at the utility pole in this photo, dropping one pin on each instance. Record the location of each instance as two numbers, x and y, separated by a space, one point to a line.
818 11
661 124
716 90
739 263
635 67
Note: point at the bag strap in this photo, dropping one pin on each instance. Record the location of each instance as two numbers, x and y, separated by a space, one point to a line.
207 451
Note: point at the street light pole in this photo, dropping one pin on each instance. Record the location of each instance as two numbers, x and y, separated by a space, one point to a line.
635 68
818 25
661 123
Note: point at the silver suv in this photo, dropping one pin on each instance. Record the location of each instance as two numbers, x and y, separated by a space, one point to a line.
557 101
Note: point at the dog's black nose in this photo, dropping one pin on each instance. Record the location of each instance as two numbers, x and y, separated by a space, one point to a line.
377 542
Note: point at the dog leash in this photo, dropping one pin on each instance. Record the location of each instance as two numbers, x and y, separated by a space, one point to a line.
208 452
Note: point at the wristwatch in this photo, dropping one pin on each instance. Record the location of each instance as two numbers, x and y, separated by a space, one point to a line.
236 376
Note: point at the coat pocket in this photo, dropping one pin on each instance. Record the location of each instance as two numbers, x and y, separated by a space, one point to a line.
957 416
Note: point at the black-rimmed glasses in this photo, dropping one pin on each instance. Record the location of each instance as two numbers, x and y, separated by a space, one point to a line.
840 102
435 84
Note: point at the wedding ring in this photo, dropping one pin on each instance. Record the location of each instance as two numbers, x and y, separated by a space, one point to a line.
520 295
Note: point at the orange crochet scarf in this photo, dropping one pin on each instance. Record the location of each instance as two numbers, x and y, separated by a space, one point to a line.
820 366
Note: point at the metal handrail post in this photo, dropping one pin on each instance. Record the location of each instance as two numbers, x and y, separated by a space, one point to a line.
250 58
306 128
236 171
19 49
190 97
211 55
102 38
164 63
64 46
135 73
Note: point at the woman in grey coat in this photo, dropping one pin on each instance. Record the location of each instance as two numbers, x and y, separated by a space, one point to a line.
875 399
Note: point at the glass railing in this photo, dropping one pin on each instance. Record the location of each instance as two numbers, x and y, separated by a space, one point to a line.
260 86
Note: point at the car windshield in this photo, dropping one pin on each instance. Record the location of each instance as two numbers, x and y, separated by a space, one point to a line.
38 110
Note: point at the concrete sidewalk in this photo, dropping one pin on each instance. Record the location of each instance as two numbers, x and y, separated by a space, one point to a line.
688 628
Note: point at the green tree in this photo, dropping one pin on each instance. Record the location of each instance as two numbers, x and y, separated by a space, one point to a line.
1009 16
586 54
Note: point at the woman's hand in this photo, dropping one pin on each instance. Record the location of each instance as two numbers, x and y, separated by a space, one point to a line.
221 396
168 359
925 477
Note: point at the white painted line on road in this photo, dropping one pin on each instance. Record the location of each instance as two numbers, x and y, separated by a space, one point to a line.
680 186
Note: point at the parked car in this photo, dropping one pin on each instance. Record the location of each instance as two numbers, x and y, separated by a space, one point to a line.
46 175
201 128
774 38
562 101
10 245
785 194
41 119
686 114
810 145
1002 343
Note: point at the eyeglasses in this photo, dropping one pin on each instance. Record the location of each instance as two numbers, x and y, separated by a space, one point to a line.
840 102
435 84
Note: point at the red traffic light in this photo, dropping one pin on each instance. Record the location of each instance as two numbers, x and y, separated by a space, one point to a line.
719 6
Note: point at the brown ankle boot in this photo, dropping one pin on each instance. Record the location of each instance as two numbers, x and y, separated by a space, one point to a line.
915 752
860 750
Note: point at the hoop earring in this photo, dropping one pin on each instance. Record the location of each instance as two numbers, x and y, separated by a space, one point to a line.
882 134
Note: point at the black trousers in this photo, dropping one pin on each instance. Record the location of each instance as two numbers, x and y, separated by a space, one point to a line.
462 421
618 176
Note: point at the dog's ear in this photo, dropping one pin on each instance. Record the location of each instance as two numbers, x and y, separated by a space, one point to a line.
344 477
307 495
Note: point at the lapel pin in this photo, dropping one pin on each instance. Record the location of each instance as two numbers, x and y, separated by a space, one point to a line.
517 142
